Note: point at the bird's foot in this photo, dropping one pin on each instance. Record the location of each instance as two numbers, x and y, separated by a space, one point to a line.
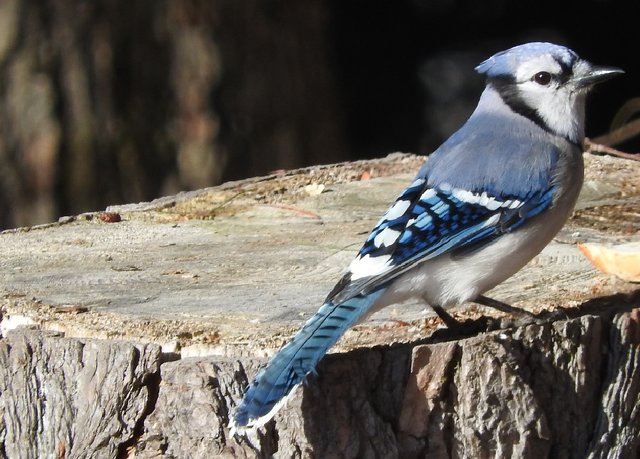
467 327
519 317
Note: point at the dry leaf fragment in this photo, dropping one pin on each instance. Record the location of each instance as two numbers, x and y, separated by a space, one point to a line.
621 260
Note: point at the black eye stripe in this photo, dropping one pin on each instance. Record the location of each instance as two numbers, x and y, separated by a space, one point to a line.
507 87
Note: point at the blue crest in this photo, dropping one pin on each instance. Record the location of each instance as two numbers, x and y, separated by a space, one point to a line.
506 62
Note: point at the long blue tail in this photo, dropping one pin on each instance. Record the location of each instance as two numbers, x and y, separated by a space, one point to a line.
298 358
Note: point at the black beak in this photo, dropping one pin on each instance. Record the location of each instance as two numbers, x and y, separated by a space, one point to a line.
593 74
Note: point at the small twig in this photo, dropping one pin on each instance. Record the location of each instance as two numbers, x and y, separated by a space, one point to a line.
297 210
597 148
625 113
620 134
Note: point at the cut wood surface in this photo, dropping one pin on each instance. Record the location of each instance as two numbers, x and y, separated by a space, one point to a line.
165 310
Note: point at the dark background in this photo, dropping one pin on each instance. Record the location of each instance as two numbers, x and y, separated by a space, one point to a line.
104 102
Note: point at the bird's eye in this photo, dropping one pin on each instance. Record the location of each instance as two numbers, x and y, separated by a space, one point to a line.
542 78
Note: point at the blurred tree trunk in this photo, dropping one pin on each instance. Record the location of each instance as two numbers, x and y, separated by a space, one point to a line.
105 102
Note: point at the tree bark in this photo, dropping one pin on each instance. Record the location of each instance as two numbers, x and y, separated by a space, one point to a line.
562 388
63 398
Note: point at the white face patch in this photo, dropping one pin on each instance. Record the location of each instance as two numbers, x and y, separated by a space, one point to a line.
559 105
544 63
369 266
386 237
561 109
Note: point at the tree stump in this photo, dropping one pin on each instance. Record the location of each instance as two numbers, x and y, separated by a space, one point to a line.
133 332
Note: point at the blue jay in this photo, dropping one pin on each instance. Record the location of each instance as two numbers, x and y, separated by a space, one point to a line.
486 202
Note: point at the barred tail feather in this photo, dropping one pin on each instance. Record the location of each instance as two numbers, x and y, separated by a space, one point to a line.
298 358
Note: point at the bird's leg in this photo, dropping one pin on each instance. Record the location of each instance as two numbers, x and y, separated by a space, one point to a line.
447 318
504 307
463 327
466 328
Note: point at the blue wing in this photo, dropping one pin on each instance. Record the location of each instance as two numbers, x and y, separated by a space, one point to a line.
427 221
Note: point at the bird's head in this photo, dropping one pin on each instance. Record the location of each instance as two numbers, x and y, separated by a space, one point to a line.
546 83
